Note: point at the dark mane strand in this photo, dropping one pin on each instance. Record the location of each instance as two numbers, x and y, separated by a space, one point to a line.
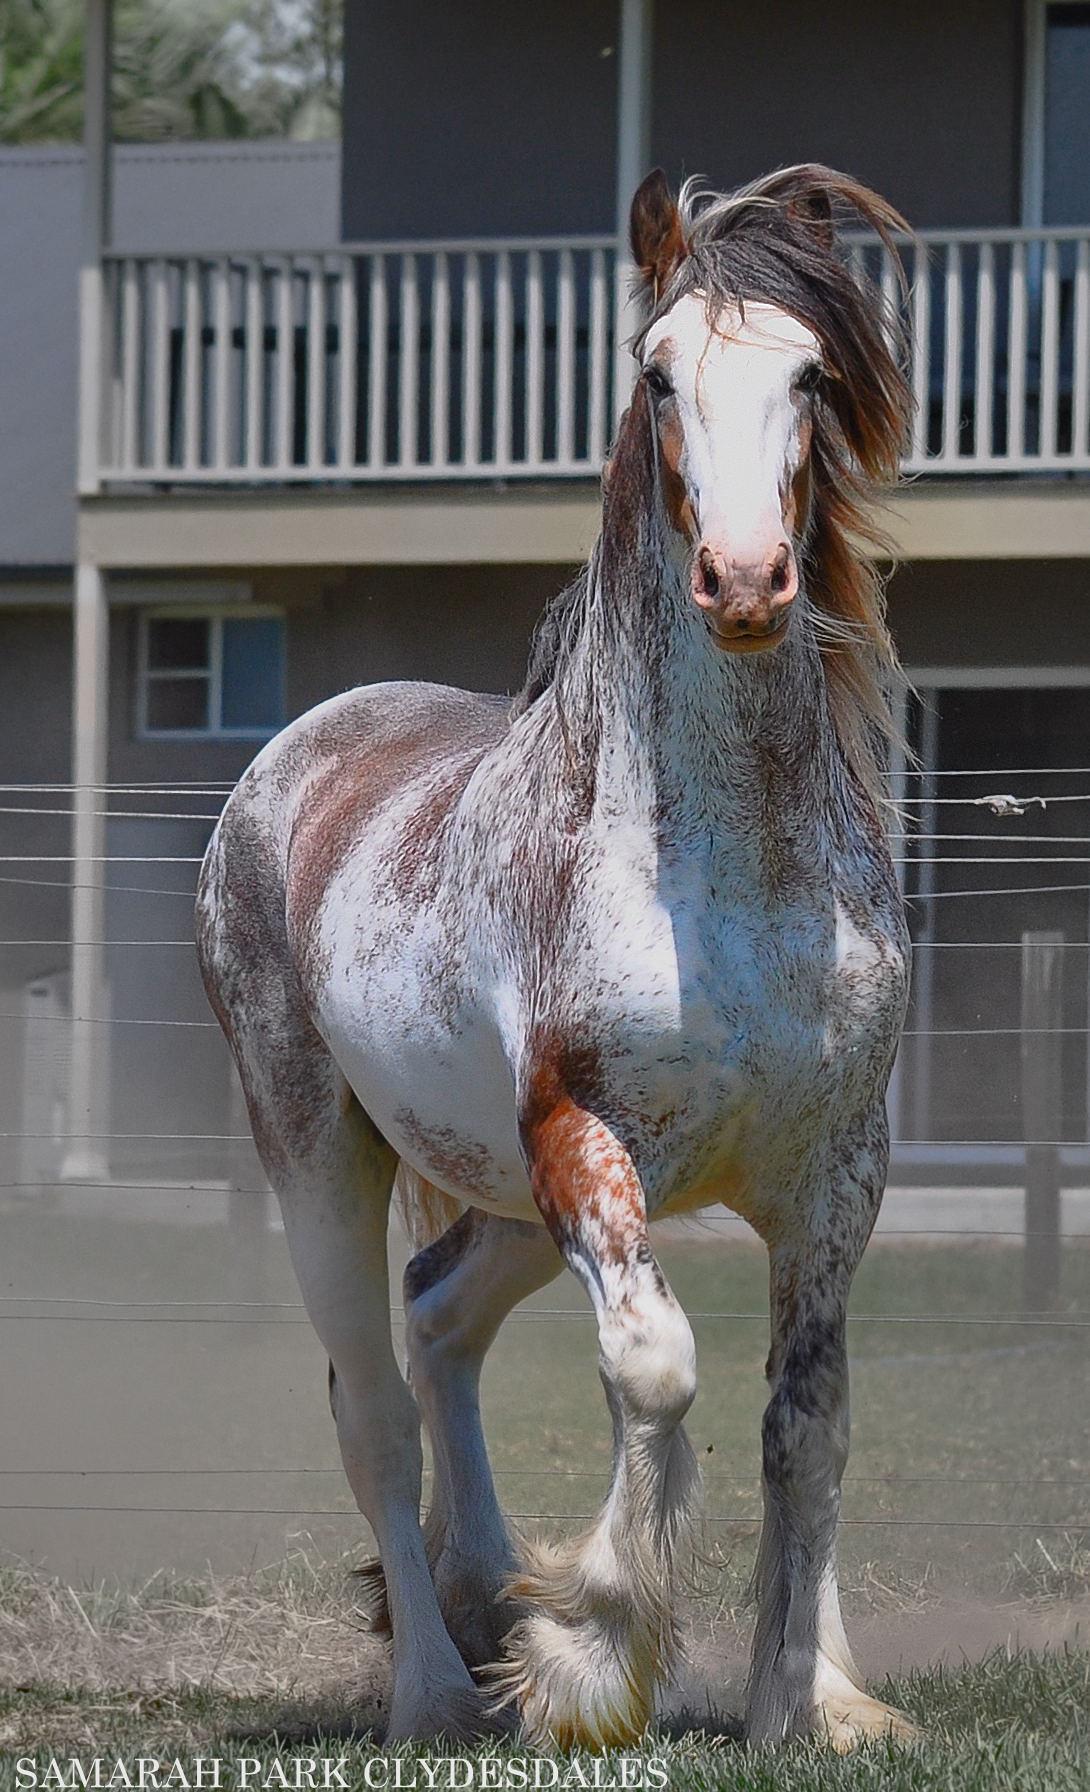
557 626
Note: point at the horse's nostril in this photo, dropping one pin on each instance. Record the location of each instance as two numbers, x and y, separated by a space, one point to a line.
708 576
779 578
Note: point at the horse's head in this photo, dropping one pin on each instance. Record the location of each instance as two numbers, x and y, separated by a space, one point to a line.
769 375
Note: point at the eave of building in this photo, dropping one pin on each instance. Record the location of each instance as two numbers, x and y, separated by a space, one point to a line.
512 524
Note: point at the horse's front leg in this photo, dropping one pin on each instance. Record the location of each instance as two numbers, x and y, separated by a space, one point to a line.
599 1632
802 1679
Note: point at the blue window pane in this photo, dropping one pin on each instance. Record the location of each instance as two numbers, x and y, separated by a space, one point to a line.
253 672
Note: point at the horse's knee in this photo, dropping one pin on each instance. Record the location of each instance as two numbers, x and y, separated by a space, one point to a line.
801 1445
378 1422
648 1358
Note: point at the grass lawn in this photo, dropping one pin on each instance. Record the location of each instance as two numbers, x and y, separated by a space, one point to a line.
1008 1724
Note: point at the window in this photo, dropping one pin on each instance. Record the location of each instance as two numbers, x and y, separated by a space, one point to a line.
217 674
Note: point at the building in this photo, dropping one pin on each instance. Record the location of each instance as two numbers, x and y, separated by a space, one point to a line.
342 409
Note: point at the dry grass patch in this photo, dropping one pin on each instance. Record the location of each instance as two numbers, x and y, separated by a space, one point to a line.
296 1627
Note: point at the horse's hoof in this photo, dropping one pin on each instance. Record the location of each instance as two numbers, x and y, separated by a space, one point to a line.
844 1723
458 1713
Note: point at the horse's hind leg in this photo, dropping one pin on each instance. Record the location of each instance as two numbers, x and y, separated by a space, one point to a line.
334 1175
802 1677
457 1294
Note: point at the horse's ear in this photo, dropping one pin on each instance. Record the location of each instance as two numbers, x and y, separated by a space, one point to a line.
658 242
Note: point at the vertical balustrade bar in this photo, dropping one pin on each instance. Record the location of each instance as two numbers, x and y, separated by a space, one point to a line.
377 352
191 361
285 365
222 355
131 344
985 353
346 366
159 276
316 402
471 362
598 395
503 357
440 361
891 294
1080 397
409 372
1050 350
255 364
111 375
921 354
565 359
951 360
1016 358
535 359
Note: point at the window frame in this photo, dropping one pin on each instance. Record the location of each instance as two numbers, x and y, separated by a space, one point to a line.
212 677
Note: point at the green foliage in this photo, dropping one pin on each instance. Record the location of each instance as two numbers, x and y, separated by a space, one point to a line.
181 69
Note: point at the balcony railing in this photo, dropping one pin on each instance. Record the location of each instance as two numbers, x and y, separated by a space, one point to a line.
478 360
386 361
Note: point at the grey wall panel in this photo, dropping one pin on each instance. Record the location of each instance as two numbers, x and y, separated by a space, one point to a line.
922 101
484 117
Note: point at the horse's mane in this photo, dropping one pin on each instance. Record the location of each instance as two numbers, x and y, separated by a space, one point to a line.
776 240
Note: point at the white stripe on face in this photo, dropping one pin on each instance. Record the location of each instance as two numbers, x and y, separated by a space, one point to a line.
738 418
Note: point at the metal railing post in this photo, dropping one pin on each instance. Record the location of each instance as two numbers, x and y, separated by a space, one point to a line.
1042 1113
633 152
89 1067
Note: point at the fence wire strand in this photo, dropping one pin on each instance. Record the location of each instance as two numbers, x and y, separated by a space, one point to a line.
906 842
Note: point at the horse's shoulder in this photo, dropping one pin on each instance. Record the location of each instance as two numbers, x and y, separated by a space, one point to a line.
369 748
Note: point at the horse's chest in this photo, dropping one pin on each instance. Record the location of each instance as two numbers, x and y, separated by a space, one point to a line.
721 1039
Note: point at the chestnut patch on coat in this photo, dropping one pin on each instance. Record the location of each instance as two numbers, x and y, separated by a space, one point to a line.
672 443
583 1178
448 1156
580 1171
362 768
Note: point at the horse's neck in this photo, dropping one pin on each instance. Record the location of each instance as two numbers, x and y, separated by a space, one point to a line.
670 731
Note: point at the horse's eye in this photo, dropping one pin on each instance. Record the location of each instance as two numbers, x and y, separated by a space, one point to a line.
809 379
657 382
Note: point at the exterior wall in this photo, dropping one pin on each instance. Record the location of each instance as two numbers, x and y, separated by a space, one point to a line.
467 626
923 102
35 736
992 613
478 118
